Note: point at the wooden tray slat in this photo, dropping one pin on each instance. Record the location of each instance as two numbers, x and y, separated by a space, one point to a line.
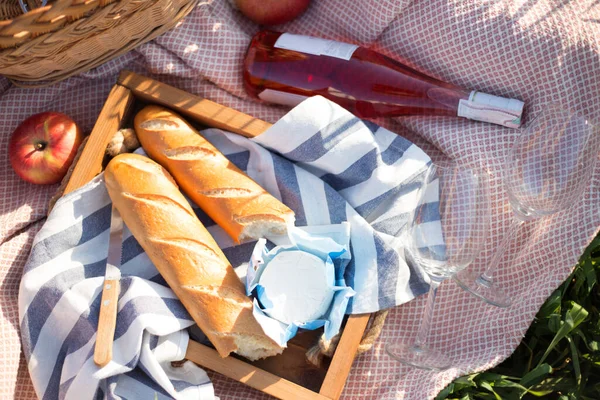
341 363
204 111
109 121
248 374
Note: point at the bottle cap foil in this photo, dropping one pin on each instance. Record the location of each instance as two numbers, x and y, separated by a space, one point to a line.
494 109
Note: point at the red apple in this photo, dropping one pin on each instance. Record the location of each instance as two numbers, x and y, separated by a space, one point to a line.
271 12
43 146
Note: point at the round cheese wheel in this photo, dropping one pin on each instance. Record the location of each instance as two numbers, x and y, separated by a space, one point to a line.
296 288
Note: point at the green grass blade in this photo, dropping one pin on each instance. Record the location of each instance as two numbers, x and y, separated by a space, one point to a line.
504 383
488 387
590 274
575 358
491 376
554 323
555 384
592 358
575 315
536 375
593 345
551 306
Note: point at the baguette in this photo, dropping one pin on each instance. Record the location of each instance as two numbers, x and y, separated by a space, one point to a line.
186 255
234 201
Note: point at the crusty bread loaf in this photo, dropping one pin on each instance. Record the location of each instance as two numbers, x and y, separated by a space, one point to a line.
186 255
233 200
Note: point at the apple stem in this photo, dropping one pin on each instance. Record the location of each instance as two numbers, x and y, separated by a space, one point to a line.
40 145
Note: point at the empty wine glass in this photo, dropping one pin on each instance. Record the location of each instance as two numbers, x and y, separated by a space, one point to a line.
443 237
546 171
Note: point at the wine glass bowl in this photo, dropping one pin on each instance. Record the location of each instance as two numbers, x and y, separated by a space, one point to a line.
546 170
445 251
551 163
443 237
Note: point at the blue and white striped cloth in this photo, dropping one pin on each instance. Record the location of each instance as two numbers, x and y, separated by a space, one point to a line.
325 164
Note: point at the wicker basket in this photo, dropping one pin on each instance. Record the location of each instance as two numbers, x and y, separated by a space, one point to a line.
66 37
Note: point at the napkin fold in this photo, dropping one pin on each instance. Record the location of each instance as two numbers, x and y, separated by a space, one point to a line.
320 160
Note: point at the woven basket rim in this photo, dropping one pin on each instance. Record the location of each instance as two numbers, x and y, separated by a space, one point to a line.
31 17
10 9
27 15
28 65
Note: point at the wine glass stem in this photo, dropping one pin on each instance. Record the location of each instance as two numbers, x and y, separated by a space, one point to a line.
487 277
423 331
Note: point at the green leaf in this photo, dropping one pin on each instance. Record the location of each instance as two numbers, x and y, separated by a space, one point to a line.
597 327
555 384
531 346
551 306
554 322
491 377
527 364
467 379
593 358
510 384
593 345
574 316
579 278
463 382
486 386
455 388
448 390
505 383
538 393
575 358
590 275
489 388
579 332
536 375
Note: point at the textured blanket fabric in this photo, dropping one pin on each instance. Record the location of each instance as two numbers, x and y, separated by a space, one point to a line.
539 51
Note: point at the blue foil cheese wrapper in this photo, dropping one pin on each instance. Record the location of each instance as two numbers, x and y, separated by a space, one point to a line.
329 244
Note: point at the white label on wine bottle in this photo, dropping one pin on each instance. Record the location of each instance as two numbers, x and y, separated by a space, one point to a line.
279 97
487 108
316 46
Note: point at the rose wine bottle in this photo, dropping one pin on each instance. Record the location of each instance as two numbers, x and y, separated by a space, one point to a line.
284 68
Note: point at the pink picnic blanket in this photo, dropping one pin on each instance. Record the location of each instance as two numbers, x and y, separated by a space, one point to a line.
538 51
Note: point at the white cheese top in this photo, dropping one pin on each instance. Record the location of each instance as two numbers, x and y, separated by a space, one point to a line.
296 287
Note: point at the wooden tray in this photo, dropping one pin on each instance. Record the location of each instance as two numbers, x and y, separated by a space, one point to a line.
289 375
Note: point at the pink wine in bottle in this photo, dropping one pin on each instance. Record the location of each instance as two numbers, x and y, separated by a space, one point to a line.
284 68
